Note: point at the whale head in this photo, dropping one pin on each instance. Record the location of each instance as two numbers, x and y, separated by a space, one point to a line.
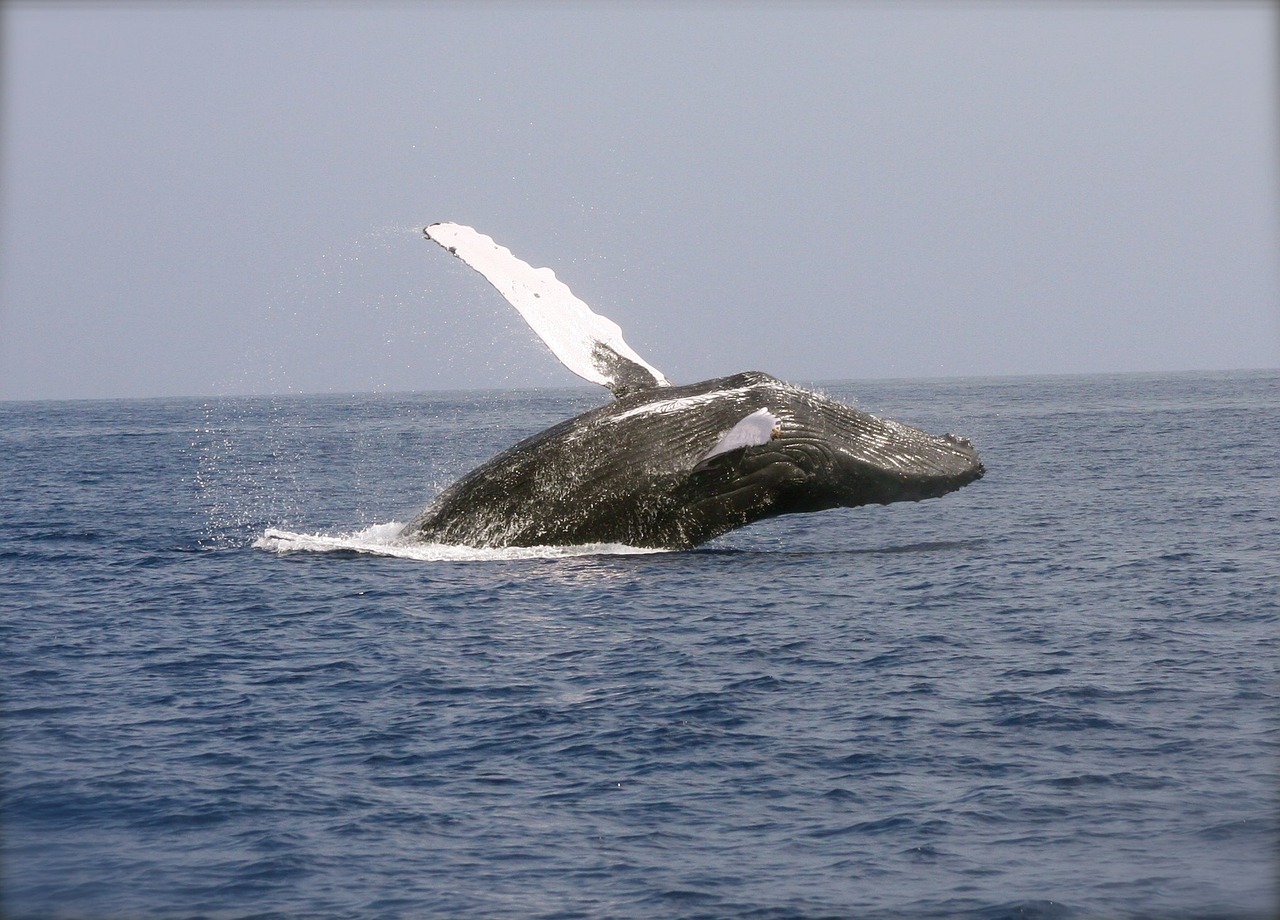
822 454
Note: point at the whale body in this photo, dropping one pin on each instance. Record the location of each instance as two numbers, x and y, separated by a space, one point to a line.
665 466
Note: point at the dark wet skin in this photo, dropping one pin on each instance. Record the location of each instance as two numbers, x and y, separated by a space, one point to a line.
628 472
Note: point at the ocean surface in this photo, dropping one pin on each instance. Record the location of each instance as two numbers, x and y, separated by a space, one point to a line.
1052 694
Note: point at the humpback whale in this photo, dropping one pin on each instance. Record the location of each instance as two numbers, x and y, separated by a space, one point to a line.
665 466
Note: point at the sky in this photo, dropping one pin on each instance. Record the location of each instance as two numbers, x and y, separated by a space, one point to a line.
205 199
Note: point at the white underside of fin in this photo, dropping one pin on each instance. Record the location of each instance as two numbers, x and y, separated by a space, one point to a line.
584 341
756 429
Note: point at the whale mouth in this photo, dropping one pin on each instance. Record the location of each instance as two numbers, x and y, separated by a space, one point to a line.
921 468
905 462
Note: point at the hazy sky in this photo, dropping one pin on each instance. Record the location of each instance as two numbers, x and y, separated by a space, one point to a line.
225 198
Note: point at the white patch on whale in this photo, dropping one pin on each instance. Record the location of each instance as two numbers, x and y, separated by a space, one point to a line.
760 427
677 405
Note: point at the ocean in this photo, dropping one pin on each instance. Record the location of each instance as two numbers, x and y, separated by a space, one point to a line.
1052 694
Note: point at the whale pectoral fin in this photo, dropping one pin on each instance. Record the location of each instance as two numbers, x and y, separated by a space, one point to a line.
585 342
760 427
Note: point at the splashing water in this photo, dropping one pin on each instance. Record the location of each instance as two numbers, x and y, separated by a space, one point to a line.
385 540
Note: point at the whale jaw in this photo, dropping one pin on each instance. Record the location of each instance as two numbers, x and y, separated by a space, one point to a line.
827 455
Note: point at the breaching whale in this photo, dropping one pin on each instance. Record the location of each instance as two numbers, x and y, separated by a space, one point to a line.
666 466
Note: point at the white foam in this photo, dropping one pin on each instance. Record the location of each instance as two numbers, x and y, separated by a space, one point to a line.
385 540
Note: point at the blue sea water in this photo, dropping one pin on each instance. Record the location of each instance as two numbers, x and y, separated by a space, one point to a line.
1052 694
